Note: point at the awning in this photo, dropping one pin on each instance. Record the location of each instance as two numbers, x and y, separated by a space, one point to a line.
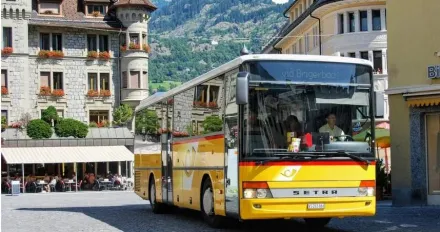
423 101
32 155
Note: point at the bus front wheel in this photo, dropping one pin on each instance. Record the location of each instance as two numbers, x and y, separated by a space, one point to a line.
317 222
207 205
155 206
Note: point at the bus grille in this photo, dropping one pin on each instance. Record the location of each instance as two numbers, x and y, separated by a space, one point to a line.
137 181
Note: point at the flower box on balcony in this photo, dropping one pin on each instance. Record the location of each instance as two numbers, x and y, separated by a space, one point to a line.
104 55
105 93
4 90
92 93
50 54
58 93
146 48
7 51
134 46
45 91
92 55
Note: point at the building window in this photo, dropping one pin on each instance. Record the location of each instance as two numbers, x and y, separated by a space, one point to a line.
7 37
340 23
96 10
364 55
4 117
58 80
49 8
300 46
54 81
93 81
98 116
91 43
352 54
377 61
45 41
376 20
134 38
363 20
97 41
135 77
124 80
104 81
56 44
4 78
351 22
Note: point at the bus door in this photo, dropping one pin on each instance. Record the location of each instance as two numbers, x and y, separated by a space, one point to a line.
167 163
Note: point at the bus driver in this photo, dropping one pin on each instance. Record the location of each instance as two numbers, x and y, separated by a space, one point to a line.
331 127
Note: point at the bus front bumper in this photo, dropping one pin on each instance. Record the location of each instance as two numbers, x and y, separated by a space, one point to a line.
299 207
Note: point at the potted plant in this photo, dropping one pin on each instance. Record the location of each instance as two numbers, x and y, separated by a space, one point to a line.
381 179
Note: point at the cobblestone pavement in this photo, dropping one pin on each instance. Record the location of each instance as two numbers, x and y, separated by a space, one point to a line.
124 211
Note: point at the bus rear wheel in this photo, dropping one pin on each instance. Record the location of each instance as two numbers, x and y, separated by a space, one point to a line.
155 206
317 223
207 206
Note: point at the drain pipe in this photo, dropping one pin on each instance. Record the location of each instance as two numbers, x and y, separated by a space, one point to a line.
319 32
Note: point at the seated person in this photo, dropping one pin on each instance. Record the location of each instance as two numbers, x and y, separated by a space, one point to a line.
331 127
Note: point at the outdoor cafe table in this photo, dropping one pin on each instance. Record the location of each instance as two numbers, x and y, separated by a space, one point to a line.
69 182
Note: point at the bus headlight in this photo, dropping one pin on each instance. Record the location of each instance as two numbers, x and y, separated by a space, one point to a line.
367 188
256 190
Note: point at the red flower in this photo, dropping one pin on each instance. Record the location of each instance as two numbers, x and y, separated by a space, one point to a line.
4 90
58 93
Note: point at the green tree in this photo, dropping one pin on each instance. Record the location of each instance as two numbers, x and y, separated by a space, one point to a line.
39 129
70 127
212 124
122 115
147 119
50 113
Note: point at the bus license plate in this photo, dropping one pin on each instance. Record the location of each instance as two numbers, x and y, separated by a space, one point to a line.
315 206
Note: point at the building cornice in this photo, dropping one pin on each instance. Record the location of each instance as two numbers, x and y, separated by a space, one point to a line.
414 90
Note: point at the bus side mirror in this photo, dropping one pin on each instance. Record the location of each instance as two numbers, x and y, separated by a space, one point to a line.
242 88
379 104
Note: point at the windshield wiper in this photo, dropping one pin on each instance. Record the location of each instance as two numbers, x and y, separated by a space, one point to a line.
323 154
346 154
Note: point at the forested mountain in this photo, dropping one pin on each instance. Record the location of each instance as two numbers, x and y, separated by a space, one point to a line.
190 37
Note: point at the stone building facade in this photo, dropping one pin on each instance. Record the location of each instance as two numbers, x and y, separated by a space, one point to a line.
84 57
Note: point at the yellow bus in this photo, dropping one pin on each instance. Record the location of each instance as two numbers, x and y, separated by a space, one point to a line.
267 136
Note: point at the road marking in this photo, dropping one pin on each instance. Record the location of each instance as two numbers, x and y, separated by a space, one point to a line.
382 222
408 226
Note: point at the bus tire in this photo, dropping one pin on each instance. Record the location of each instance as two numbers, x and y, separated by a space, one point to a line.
156 207
207 206
317 223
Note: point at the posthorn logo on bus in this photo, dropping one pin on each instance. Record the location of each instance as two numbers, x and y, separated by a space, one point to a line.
290 172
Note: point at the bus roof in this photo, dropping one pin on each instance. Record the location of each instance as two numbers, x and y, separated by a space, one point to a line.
235 63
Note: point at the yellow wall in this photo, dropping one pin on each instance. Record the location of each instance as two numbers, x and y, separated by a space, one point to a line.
413 37
400 146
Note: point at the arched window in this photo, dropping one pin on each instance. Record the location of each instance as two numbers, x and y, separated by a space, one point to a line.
121 16
17 14
141 17
4 12
11 13
133 17
23 14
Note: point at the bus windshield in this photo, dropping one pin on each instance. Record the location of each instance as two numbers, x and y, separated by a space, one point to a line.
316 102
